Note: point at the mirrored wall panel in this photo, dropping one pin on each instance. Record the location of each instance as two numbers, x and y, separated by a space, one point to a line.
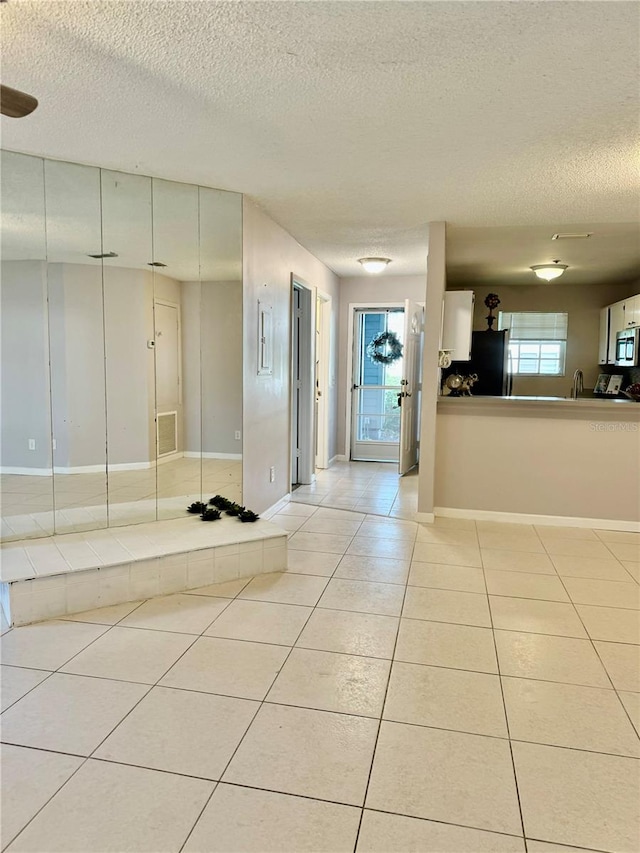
121 347
26 477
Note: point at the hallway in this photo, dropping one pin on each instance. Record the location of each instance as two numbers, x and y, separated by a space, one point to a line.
404 687
367 487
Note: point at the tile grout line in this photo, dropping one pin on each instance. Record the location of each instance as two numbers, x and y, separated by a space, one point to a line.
384 702
147 692
259 708
504 710
593 646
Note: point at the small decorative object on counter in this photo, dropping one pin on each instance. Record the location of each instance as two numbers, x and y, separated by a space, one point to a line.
211 515
467 384
633 392
197 508
492 301
220 502
234 509
454 384
385 348
248 515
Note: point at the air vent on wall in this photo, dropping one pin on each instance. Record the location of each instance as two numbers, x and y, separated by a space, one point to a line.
167 426
568 236
104 255
156 264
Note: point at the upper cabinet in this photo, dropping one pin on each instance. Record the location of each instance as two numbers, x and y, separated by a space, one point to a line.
457 323
631 308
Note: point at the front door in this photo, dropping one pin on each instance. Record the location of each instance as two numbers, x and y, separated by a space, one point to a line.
375 420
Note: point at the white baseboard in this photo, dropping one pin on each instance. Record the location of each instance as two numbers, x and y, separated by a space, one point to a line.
428 517
339 457
525 518
31 472
194 454
276 507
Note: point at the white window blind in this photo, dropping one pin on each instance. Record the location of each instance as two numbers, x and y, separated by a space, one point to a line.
534 325
537 342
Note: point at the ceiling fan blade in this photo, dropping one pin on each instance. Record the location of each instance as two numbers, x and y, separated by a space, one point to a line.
16 104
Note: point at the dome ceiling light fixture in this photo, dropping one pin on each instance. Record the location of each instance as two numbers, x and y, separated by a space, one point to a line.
549 271
374 265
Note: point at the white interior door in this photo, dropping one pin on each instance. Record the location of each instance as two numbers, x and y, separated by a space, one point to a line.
410 393
167 337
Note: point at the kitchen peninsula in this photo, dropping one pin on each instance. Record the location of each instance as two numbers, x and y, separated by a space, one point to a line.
562 460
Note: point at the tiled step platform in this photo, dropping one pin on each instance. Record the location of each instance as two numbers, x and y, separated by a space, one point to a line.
58 575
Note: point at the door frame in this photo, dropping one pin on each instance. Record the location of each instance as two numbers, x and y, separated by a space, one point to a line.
322 382
353 307
306 401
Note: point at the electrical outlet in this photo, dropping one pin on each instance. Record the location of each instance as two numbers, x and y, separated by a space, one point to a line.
55 444
32 444
272 474
238 435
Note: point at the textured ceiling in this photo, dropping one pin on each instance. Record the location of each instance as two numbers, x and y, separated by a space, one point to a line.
352 124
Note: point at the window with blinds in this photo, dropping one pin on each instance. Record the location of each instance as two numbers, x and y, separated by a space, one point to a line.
537 342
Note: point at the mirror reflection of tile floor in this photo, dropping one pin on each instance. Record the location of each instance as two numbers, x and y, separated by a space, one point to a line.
455 686
80 499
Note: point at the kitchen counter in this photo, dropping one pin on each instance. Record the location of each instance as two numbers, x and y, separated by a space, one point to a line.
539 406
540 457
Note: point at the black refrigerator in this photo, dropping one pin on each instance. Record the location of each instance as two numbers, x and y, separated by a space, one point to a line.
490 360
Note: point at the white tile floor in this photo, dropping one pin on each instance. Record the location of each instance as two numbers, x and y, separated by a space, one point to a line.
366 700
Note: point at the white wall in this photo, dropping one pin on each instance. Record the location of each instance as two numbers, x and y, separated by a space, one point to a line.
212 326
366 290
25 372
271 255
129 325
77 365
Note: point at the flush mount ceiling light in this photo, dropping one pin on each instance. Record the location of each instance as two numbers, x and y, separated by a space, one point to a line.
549 271
374 265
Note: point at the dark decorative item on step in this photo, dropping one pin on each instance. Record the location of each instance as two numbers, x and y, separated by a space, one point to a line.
248 515
492 301
234 509
211 515
197 508
385 348
220 502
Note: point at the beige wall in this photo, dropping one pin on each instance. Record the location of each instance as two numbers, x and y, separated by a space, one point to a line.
366 290
270 256
581 302
582 465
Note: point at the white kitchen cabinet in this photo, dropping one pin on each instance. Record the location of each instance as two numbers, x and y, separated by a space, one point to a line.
603 340
458 323
632 311
616 324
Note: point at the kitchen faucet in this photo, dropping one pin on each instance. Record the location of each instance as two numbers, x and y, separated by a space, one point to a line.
578 384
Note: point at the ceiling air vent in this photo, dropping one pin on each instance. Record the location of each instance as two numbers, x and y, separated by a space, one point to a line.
568 236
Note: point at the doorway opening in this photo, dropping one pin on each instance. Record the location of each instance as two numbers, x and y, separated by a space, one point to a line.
322 379
303 388
375 420
385 394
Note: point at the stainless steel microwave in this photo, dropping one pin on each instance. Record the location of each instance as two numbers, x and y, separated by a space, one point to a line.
628 348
